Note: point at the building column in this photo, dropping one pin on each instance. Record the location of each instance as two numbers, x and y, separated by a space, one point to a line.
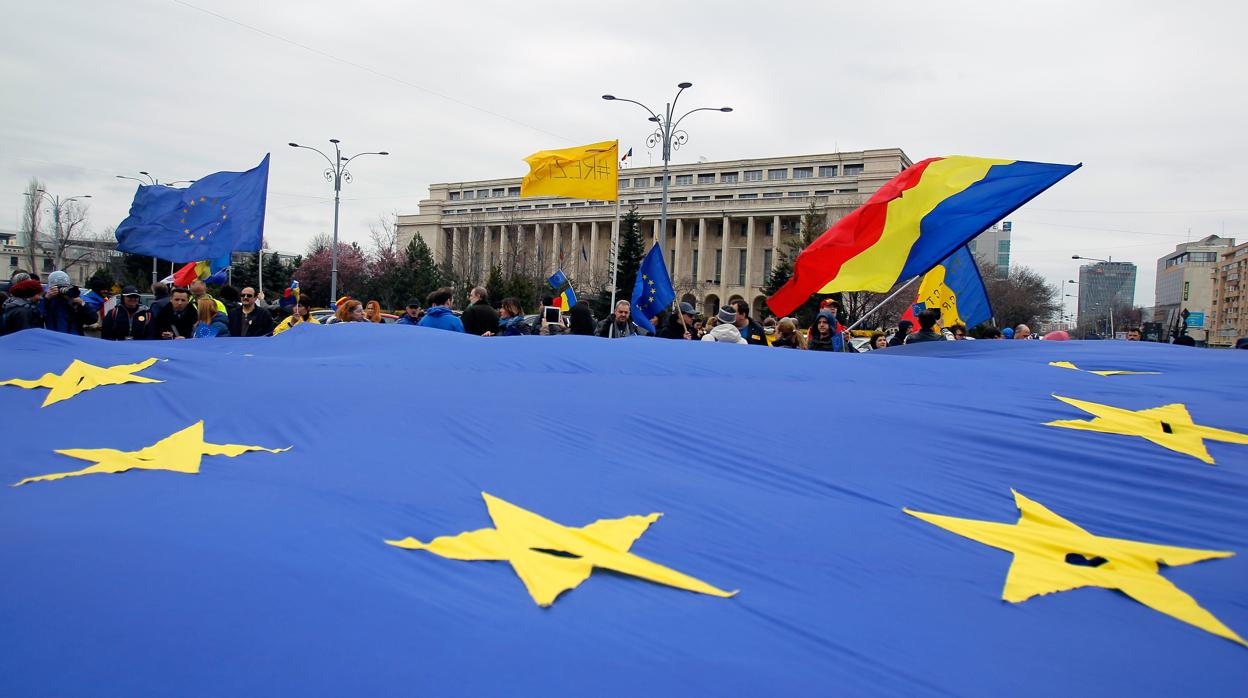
654 234
593 247
750 237
679 260
723 257
701 275
576 249
502 245
538 260
457 248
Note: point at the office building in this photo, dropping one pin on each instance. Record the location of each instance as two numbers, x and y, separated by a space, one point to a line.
727 221
1229 305
991 249
1105 287
1185 282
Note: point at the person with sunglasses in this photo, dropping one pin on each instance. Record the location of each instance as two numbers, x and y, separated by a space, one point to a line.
249 319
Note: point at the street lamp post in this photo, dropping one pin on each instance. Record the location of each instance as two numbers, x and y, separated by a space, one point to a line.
336 173
56 203
669 135
151 180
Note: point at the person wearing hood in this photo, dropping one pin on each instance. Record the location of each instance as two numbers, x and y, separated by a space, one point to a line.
129 319
21 308
440 316
63 308
726 329
679 325
903 331
823 336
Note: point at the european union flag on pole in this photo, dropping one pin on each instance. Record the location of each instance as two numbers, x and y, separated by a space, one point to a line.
218 214
653 290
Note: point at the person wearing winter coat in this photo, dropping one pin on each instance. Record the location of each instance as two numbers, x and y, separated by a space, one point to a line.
725 331
440 316
511 321
620 324
823 336
302 314
21 308
129 319
211 322
680 325
480 317
63 309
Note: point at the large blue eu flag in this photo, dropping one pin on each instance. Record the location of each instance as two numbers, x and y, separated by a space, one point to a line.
653 290
218 214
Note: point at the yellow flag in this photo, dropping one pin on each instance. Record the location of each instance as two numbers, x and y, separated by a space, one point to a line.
584 172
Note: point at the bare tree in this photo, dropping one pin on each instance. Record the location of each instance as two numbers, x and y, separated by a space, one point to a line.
32 222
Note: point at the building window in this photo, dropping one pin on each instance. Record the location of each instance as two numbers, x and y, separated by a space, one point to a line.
541 205
12 261
851 170
1003 247
753 175
799 193
483 193
513 191
778 174
454 196
641 181
678 198
727 177
47 264
773 195
741 268
577 203
525 207
827 170
623 184
469 195
803 172
701 198
694 273
683 180
636 201
1003 260
706 179
498 193
719 265
767 260
748 196
721 197
824 192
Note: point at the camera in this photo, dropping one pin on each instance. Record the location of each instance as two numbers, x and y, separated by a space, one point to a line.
69 291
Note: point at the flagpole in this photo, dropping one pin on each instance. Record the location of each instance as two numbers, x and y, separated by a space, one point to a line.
881 304
260 273
615 253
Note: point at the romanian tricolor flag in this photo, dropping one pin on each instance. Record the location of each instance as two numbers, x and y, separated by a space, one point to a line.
197 271
913 222
955 288
567 297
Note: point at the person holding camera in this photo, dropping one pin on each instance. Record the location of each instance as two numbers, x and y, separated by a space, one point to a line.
62 307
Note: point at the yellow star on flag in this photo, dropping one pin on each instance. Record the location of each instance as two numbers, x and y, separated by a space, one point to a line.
80 377
1052 554
1170 426
551 559
1067 364
180 452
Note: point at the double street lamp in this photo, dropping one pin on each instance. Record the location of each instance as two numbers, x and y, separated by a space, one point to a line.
336 173
56 202
668 134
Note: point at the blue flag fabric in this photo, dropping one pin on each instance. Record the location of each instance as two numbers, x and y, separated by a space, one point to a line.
216 215
269 574
567 296
652 292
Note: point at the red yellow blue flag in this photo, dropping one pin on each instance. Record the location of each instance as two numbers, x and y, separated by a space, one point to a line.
912 223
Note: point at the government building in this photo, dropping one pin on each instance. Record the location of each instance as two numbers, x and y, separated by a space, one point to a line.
726 221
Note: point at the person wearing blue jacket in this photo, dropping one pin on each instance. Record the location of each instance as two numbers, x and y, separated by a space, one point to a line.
439 315
62 308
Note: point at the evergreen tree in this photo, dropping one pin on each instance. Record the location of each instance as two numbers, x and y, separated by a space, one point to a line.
495 286
814 223
632 251
422 275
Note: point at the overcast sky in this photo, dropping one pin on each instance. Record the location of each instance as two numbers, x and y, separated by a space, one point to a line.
1151 96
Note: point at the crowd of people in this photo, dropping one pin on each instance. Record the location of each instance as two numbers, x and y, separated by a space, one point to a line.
192 313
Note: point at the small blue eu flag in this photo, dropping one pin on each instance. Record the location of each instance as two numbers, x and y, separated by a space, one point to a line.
218 214
653 290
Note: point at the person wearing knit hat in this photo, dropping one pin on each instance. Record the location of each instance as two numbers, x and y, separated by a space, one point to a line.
21 308
62 307
726 331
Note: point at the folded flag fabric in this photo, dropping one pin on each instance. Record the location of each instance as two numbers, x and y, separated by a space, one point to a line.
652 292
192 550
913 222
213 272
216 215
956 288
